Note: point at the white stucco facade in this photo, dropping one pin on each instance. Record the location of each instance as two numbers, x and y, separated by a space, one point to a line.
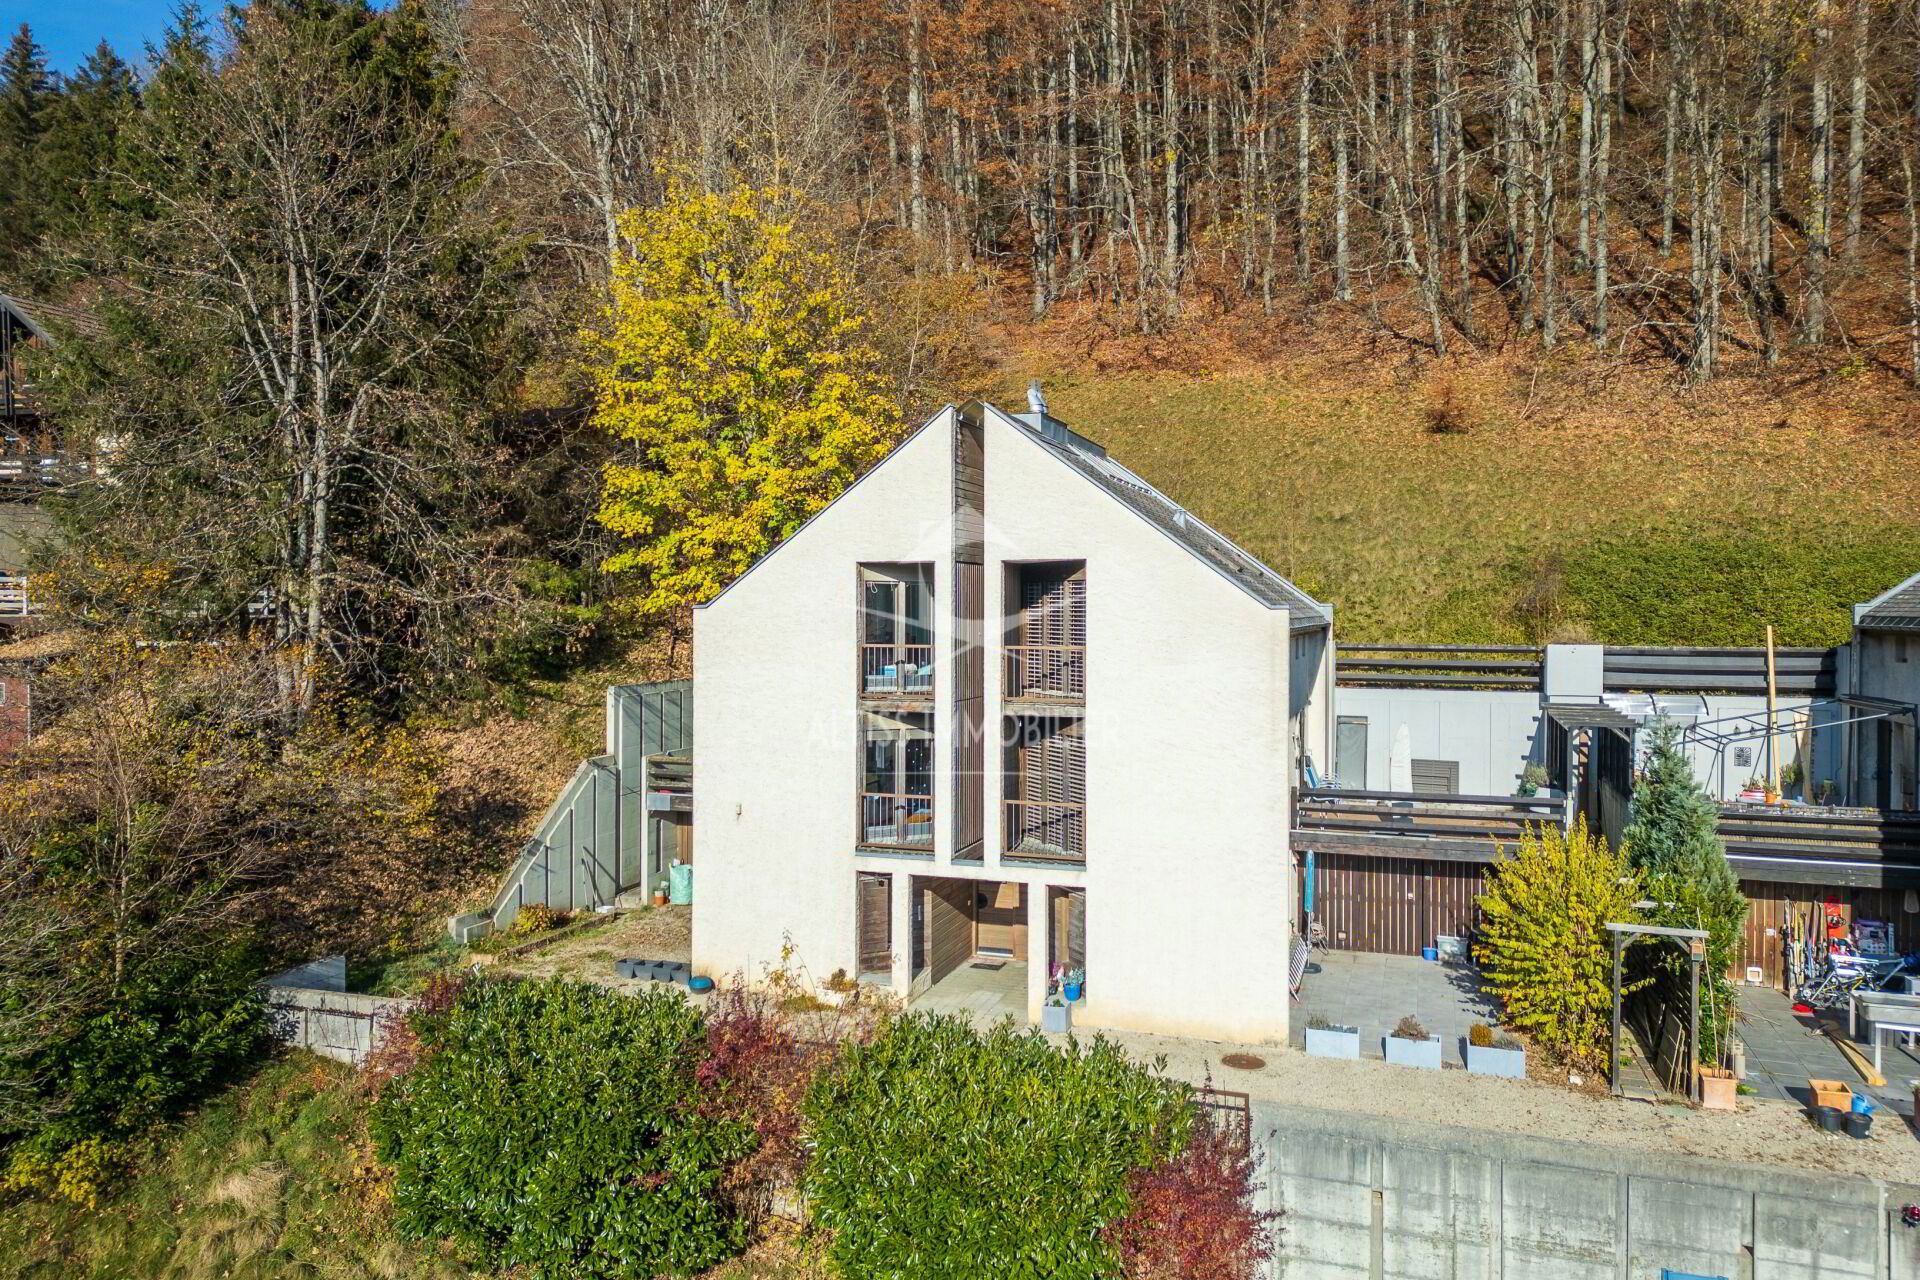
1200 697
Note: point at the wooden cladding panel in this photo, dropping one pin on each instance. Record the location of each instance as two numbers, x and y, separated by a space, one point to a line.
1778 907
875 922
969 712
1393 905
969 492
948 925
1053 607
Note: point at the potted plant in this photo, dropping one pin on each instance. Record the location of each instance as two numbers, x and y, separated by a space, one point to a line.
1073 984
1492 1054
1718 1088
1409 1045
1532 778
1331 1040
1056 1015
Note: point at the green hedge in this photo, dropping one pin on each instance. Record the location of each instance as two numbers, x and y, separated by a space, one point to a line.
939 1151
1679 589
551 1126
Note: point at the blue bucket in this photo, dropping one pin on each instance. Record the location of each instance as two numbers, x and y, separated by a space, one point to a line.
1429 953
1072 991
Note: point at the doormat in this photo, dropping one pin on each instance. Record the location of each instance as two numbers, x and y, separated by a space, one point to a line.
994 965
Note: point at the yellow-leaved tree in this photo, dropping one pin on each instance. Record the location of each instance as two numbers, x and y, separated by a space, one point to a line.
732 365
1543 945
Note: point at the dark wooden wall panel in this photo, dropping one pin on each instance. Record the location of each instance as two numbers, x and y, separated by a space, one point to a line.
949 925
1392 905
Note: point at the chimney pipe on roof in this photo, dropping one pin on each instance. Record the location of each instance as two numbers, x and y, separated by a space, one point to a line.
1036 399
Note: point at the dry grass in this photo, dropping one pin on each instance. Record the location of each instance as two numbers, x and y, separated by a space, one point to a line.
1417 496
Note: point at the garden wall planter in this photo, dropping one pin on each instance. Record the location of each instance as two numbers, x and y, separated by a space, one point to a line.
1056 1018
1414 1053
1489 1061
1718 1090
1333 1042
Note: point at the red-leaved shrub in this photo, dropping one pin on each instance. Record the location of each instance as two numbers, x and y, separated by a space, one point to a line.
400 1049
757 1070
1193 1217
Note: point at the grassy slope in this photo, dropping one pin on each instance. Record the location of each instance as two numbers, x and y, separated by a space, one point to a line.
1566 471
272 1181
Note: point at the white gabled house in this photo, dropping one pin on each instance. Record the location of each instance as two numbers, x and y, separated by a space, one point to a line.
1003 710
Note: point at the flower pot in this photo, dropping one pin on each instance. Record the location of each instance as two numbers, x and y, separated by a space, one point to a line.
1414 1053
1831 1093
1333 1042
1485 1060
1072 991
659 897
1859 1123
1056 1019
1829 1118
1718 1089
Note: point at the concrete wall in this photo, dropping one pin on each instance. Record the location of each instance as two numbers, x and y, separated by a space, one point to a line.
1372 1199
309 1007
1186 722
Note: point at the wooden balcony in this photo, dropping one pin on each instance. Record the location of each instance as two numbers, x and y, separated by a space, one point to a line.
1046 832
889 820
1046 672
14 600
896 671
1861 848
1411 824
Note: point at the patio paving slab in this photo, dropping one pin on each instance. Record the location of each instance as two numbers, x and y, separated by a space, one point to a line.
1374 991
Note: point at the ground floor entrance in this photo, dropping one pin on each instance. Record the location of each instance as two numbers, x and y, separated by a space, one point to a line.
982 935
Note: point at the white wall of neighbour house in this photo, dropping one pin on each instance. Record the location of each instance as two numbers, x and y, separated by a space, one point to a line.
1886 665
1187 756
1493 734
776 754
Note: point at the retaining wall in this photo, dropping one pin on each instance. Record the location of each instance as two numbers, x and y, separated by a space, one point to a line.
309 1007
1372 1199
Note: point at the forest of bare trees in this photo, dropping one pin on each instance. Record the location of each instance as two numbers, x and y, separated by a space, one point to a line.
1695 180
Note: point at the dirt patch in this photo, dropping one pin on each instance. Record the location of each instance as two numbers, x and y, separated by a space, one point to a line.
1762 1131
649 933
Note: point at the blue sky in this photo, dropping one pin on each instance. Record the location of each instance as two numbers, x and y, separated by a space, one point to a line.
68 29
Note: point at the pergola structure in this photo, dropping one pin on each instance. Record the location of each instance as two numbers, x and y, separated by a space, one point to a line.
1695 940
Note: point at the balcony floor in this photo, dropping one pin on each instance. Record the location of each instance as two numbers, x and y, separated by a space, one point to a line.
984 995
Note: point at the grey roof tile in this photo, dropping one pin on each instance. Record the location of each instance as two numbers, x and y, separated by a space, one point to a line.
1895 610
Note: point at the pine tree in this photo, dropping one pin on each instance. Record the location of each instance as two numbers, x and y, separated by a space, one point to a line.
78 150
1674 840
26 89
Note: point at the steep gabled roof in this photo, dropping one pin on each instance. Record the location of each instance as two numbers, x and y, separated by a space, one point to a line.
37 316
1203 542
1897 609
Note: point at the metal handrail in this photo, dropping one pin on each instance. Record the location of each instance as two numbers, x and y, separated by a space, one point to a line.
1046 671
894 670
895 820
1046 830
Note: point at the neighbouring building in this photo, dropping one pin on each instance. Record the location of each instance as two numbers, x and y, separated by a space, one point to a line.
1003 709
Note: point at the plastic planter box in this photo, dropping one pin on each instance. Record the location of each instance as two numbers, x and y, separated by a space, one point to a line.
1333 1042
1056 1018
1489 1061
1414 1053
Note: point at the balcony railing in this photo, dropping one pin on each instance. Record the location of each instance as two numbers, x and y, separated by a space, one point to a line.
896 670
1053 832
894 821
1046 671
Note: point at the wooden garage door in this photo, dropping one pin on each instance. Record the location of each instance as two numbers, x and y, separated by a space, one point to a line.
1393 905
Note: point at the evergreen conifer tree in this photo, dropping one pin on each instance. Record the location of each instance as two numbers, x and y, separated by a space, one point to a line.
26 89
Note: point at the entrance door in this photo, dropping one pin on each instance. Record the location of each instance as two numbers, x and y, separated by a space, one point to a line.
1000 919
1350 753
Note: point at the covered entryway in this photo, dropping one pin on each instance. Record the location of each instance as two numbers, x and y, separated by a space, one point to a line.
970 946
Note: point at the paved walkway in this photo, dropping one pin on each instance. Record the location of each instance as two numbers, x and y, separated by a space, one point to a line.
1786 1049
984 994
1373 992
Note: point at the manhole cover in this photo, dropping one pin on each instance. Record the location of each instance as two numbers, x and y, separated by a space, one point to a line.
1243 1062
